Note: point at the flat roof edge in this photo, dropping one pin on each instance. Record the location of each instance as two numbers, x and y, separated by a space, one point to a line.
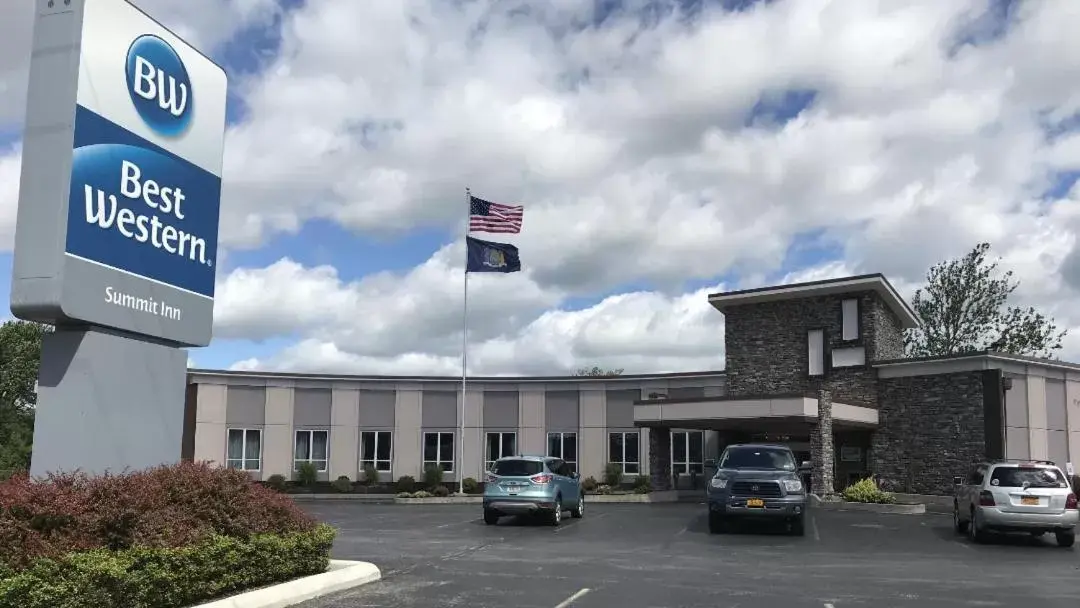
406 378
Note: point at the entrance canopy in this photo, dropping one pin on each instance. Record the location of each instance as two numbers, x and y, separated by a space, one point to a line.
724 413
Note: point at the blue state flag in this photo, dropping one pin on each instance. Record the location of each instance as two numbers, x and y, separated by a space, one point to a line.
486 256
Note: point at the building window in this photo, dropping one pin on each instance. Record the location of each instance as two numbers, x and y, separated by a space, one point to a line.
439 451
623 451
564 446
245 449
815 340
498 446
687 452
376 448
311 446
850 319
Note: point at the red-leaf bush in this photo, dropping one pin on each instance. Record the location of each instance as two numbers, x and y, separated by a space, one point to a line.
168 506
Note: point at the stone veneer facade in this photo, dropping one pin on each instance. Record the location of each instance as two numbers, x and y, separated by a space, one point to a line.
766 347
930 429
821 448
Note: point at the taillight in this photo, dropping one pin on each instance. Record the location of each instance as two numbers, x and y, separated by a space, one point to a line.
986 499
1070 502
540 479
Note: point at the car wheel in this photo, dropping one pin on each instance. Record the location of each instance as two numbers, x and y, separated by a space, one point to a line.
1065 538
556 513
579 511
975 532
717 523
491 517
798 526
959 525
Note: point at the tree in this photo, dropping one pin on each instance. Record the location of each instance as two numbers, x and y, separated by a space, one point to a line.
963 308
20 357
598 372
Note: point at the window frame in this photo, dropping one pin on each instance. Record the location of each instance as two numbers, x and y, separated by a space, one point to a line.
823 352
688 462
389 461
243 448
424 462
622 462
573 464
311 449
488 463
846 322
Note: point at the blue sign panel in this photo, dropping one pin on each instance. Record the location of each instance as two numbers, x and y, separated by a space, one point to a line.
137 208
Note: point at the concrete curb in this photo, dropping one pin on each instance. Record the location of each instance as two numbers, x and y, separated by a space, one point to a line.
341 575
866 507
374 499
653 497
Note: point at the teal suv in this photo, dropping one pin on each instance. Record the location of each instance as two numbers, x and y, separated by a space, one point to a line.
532 485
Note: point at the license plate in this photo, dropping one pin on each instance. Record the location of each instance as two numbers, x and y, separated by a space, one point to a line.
1029 500
755 502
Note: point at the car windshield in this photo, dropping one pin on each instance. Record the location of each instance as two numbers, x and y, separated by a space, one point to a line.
1016 477
517 468
757 458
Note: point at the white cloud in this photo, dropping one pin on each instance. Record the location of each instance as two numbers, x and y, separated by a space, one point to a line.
632 149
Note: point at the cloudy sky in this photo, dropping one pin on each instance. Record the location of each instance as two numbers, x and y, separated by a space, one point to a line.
663 149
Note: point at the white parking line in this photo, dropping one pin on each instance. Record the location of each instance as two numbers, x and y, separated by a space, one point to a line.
828 605
570 600
817 537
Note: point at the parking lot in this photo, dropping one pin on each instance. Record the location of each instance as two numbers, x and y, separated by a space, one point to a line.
662 555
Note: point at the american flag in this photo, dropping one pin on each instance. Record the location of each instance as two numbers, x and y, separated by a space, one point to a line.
485 216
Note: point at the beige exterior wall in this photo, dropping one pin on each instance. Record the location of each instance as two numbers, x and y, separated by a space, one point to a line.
472 447
407 418
532 439
592 436
278 433
210 423
344 437
344 434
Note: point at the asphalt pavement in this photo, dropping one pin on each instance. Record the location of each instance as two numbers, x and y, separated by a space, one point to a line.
661 555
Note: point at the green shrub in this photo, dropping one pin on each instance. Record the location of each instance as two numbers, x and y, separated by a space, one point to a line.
343 484
168 577
433 476
371 474
613 474
441 491
277 482
867 491
163 507
406 483
589 484
470 485
643 485
307 474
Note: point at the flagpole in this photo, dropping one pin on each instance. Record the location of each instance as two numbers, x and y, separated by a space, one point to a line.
464 348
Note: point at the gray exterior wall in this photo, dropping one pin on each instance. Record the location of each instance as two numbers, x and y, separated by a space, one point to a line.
766 347
311 408
377 410
562 411
931 429
245 406
501 410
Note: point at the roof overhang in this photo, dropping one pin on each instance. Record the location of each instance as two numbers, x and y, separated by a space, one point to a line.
703 413
876 283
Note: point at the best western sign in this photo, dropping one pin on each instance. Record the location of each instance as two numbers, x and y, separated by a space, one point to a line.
121 179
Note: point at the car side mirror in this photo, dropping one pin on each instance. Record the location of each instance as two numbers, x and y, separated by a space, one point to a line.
958 481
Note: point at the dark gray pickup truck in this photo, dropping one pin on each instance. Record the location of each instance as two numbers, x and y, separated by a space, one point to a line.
756 481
